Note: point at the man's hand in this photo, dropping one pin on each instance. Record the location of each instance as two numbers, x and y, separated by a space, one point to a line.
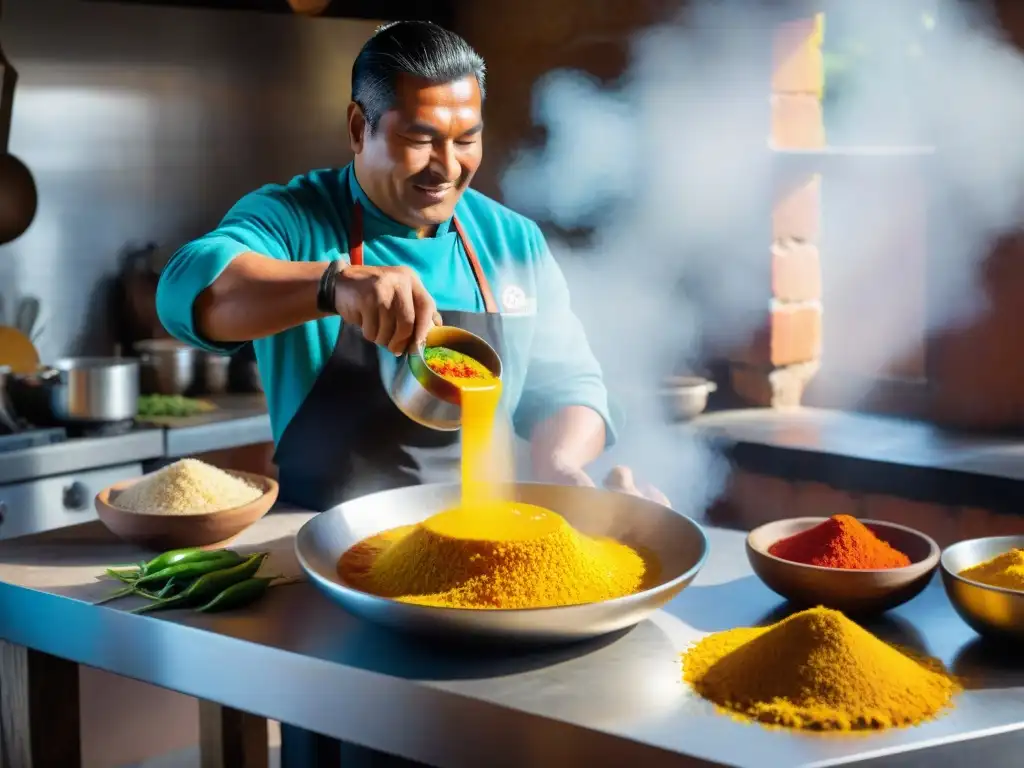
619 479
390 304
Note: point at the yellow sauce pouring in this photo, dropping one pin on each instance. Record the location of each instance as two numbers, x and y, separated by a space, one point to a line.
480 393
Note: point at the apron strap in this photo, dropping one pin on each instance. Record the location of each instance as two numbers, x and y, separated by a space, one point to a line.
355 255
478 271
355 248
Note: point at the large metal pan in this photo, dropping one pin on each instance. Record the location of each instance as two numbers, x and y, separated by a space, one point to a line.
677 542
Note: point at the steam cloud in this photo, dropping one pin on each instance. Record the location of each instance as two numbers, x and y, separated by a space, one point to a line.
672 169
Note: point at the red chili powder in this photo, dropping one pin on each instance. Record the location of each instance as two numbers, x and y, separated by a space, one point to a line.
450 364
841 541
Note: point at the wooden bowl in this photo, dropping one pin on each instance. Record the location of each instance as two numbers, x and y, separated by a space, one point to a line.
165 532
852 592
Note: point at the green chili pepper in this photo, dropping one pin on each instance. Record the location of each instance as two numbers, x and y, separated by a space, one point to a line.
182 556
167 559
120 593
208 586
238 595
131 589
226 559
127 576
173 586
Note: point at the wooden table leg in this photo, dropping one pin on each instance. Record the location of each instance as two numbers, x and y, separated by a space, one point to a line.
39 709
229 738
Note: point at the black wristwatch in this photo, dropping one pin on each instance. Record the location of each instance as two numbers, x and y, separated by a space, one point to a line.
325 293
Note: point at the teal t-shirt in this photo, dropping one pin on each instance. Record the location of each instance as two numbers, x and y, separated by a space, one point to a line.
547 362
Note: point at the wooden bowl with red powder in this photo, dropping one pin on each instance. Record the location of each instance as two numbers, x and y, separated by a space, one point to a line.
855 566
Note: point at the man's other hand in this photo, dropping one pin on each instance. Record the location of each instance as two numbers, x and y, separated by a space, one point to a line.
620 479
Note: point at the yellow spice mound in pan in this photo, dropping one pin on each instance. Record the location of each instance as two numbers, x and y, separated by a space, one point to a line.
506 555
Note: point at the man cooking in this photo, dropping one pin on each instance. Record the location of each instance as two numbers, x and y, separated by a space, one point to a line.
336 266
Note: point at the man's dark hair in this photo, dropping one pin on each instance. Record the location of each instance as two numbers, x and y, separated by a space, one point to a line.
417 48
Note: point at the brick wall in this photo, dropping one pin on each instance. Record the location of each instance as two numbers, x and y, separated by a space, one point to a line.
797 81
753 499
784 354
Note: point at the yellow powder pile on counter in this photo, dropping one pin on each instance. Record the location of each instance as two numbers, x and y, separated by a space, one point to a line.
816 670
1005 570
186 487
505 556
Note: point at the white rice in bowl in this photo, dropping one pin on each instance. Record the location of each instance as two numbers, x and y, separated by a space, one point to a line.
186 487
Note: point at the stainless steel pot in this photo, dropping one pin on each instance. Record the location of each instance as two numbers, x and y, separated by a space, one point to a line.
421 394
255 380
215 370
168 366
77 390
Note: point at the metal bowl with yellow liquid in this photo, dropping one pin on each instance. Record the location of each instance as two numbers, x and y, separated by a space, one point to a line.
677 545
424 396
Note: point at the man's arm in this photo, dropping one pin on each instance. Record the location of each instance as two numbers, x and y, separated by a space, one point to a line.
563 444
240 282
283 291
564 407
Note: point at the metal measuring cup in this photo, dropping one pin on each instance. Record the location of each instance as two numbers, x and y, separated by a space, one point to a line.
421 394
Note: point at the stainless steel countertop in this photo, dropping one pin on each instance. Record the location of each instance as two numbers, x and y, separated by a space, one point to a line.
239 420
80 454
298 658
883 439
216 436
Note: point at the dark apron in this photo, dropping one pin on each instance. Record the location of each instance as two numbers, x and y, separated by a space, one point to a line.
348 439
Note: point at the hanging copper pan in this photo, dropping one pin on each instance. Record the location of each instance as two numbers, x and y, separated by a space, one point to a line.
18 198
309 7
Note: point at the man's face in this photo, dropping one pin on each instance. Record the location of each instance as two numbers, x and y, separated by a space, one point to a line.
425 151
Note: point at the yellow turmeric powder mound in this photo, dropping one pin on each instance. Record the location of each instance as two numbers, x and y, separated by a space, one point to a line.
1005 570
816 670
506 555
